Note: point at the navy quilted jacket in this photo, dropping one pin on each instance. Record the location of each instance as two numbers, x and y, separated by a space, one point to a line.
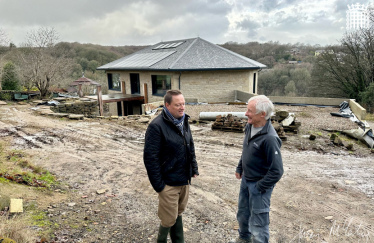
169 156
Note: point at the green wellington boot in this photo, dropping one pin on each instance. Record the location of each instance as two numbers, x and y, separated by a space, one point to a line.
163 234
176 231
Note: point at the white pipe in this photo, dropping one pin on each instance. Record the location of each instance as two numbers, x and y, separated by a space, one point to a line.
211 116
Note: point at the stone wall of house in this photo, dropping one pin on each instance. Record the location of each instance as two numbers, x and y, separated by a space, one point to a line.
112 107
203 86
87 107
215 86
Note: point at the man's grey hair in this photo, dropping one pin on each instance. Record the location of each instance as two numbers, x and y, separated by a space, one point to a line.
263 104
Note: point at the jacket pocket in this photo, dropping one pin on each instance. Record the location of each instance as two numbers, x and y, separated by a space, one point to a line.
168 165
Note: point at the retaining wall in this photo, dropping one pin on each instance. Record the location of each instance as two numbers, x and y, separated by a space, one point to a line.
243 96
87 107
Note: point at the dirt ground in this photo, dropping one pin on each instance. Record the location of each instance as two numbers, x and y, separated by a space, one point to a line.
325 195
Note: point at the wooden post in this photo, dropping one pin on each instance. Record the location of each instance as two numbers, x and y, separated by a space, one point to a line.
145 93
123 91
123 87
100 100
80 91
123 108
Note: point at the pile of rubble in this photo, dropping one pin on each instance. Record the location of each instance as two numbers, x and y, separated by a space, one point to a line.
283 122
336 140
229 123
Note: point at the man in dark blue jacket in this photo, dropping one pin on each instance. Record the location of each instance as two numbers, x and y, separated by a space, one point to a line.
260 168
169 157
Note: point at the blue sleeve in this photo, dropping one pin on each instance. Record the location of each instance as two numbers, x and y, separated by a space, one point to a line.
239 168
274 157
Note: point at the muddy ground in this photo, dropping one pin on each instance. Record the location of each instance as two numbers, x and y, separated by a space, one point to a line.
325 195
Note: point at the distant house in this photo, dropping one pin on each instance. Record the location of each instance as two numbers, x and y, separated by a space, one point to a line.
203 71
295 51
319 52
88 85
292 62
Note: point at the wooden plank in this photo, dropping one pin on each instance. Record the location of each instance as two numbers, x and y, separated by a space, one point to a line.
228 129
123 108
145 87
123 99
123 87
80 91
100 100
237 103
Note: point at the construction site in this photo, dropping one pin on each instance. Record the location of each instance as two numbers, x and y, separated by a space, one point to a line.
103 193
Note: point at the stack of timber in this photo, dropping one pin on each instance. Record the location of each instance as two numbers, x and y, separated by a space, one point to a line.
228 123
283 122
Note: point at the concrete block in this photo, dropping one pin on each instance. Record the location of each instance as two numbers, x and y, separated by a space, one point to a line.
16 206
77 117
151 106
357 109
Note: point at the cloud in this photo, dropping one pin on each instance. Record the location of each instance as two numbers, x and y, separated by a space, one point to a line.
144 22
249 26
118 22
40 12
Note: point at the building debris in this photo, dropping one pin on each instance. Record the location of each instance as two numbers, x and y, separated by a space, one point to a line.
212 116
283 122
365 136
16 206
228 123
336 140
363 133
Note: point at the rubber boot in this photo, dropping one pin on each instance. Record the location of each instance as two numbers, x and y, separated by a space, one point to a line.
163 234
176 231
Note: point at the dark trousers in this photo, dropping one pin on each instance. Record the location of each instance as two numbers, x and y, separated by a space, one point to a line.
253 212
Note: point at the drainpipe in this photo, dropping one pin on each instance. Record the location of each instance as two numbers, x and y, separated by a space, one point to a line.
180 73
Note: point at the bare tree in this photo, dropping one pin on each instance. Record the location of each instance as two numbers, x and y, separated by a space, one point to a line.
349 69
3 38
43 61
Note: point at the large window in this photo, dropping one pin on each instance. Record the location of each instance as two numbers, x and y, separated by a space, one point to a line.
135 83
113 81
160 84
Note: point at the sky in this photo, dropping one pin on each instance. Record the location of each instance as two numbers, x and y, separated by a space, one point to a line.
139 22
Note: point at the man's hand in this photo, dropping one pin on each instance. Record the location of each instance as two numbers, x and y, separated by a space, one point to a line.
238 176
194 176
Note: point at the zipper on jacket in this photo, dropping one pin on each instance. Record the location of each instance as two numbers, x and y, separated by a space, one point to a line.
164 162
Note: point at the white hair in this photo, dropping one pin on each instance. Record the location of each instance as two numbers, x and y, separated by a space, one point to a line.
263 104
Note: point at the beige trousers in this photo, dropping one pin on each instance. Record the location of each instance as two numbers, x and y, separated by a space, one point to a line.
172 202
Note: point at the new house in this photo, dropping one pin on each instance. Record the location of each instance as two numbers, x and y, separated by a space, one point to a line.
203 71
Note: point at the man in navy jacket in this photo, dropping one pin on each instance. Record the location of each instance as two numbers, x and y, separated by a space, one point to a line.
260 168
169 157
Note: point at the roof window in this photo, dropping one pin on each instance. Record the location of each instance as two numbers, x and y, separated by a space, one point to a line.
168 45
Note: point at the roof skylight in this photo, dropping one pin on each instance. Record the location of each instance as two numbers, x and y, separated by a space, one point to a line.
168 45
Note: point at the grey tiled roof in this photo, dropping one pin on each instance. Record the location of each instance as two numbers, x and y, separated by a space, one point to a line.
192 54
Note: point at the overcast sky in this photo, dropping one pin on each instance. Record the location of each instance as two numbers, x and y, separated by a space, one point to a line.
138 22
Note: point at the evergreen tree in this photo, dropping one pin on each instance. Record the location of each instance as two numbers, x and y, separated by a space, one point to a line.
9 78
